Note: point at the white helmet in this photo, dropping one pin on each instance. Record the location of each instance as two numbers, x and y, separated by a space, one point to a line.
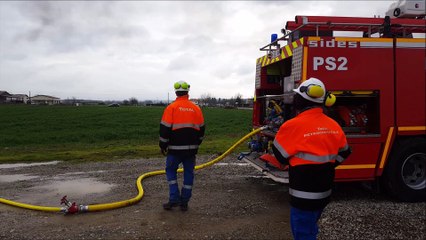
181 86
312 89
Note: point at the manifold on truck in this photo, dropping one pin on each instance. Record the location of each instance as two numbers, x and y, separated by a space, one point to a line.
378 78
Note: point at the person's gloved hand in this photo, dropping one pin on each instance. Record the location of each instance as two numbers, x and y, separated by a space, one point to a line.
336 164
164 151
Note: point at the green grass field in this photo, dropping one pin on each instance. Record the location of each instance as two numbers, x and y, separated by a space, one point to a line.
100 133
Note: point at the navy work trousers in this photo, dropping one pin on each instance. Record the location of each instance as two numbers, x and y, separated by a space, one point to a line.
304 223
172 165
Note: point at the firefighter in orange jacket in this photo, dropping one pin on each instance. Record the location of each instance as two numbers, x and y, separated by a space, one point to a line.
181 133
312 144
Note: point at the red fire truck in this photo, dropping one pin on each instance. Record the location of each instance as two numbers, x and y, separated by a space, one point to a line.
376 69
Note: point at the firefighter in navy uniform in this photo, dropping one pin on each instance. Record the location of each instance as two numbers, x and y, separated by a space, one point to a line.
181 133
312 144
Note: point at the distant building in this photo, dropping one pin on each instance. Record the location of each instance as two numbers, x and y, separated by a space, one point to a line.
45 100
5 97
19 98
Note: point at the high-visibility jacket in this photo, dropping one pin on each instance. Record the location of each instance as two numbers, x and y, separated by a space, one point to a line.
311 142
182 127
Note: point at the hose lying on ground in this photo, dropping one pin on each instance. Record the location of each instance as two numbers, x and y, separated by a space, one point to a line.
72 208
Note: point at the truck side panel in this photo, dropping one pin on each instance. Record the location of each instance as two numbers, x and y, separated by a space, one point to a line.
361 164
368 66
410 82
357 64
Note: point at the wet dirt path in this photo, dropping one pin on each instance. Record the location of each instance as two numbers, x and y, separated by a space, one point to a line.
230 201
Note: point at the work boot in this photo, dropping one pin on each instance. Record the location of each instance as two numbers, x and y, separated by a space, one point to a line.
170 205
184 207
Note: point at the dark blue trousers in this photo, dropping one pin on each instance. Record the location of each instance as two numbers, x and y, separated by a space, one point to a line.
172 165
304 223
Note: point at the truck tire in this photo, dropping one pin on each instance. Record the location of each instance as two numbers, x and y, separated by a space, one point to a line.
405 172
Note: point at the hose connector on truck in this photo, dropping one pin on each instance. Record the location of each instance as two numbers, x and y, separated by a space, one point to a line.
376 69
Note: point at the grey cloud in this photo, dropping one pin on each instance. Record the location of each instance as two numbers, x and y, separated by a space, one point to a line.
115 49
245 68
181 63
198 17
70 25
199 45
43 15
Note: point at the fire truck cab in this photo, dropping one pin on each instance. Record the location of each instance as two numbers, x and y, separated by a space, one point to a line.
376 69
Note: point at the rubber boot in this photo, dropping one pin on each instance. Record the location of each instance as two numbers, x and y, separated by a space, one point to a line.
170 205
184 206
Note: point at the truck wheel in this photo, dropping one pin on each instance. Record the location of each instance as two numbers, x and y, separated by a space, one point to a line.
405 174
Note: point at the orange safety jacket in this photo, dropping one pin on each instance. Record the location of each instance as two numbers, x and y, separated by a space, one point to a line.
311 142
182 127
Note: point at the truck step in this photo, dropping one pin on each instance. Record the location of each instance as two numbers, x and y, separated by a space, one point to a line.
275 174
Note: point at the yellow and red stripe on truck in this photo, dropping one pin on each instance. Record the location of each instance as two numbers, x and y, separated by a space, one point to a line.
286 51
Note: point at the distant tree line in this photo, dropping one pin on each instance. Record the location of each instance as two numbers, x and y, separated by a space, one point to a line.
205 100
237 101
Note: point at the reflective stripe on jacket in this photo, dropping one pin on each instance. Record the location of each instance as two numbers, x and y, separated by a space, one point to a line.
311 142
181 127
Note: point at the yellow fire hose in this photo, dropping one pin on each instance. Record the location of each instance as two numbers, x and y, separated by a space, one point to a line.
124 203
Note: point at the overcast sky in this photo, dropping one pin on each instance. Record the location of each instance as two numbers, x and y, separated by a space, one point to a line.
116 50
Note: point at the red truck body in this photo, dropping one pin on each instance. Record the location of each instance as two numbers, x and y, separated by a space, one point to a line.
379 82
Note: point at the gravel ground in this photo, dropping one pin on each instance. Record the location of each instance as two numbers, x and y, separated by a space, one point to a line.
230 200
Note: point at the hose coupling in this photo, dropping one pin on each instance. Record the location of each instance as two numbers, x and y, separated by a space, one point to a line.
71 208
242 155
264 127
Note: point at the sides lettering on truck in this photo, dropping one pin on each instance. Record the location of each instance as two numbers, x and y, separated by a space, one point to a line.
332 43
331 63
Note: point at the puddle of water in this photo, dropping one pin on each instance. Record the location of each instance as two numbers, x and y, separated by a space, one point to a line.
80 190
15 178
76 187
19 165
